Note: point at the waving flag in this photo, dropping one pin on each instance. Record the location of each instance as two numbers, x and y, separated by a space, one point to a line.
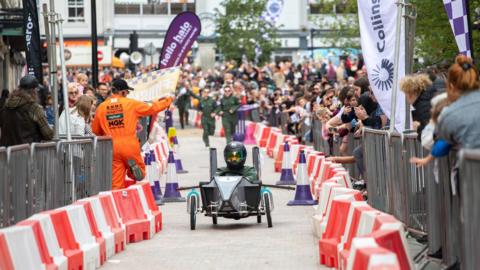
155 84
458 16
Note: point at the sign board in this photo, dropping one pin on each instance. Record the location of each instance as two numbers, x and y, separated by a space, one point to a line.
82 55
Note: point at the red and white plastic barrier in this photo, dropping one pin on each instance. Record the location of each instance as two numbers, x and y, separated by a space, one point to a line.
353 235
82 235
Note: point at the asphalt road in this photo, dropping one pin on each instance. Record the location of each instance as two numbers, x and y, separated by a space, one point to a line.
231 244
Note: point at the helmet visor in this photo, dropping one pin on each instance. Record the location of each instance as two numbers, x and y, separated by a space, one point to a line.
235 157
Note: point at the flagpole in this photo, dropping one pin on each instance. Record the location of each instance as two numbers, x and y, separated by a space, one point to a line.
398 35
470 29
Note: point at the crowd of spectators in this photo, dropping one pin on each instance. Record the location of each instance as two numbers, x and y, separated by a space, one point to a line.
294 96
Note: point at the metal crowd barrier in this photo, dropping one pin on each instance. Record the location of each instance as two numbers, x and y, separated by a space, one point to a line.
469 165
416 197
376 167
4 188
45 176
396 188
353 143
450 206
102 165
19 195
440 200
319 144
75 158
284 117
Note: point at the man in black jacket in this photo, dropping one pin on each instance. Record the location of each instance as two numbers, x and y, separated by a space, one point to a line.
22 119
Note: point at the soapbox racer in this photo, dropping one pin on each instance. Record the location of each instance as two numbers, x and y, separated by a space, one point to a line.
230 196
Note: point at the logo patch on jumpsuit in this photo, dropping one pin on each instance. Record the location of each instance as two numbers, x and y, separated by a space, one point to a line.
115 116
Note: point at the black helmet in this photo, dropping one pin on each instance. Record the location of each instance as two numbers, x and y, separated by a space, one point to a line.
28 82
235 155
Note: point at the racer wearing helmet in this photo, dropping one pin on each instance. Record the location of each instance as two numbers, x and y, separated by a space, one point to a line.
235 155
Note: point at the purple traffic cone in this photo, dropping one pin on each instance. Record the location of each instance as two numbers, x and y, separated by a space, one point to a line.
150 174
287 177
303 195
178 162
171 192
249 129
156 178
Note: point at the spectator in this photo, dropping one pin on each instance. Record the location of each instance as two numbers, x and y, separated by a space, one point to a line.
458 123
89 91
4 97
79 116
418 93
331 72
361 85
102 92
82 80
437 147
22 120
49 110
73 94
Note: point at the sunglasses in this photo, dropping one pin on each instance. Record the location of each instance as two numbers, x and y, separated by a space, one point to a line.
73 93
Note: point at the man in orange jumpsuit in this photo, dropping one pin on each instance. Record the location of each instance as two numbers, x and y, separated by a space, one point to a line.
117 117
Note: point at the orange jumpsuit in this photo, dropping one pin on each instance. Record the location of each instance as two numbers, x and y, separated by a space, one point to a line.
117 117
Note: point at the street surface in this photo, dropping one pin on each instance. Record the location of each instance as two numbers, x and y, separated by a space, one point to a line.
232 244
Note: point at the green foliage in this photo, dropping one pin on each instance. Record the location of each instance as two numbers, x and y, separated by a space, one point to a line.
434 40
340 28
240 27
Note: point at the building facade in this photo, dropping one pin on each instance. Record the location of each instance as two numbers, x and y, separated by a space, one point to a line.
301 26
12 43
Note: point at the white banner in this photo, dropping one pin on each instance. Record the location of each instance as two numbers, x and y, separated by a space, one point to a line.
155 84
378 37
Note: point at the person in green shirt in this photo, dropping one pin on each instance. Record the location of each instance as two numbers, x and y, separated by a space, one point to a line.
235 155
183 103
207 107
229 105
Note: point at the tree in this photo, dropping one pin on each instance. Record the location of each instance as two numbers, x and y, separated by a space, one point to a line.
434 40
241 30
338 21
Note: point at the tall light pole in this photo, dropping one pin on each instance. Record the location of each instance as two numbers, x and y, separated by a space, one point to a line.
94 44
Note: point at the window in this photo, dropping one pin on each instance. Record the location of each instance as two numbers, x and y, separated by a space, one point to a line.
329 7
153 7
127 8
76 11
177 8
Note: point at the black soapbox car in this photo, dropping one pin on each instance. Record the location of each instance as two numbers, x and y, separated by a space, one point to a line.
230 196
